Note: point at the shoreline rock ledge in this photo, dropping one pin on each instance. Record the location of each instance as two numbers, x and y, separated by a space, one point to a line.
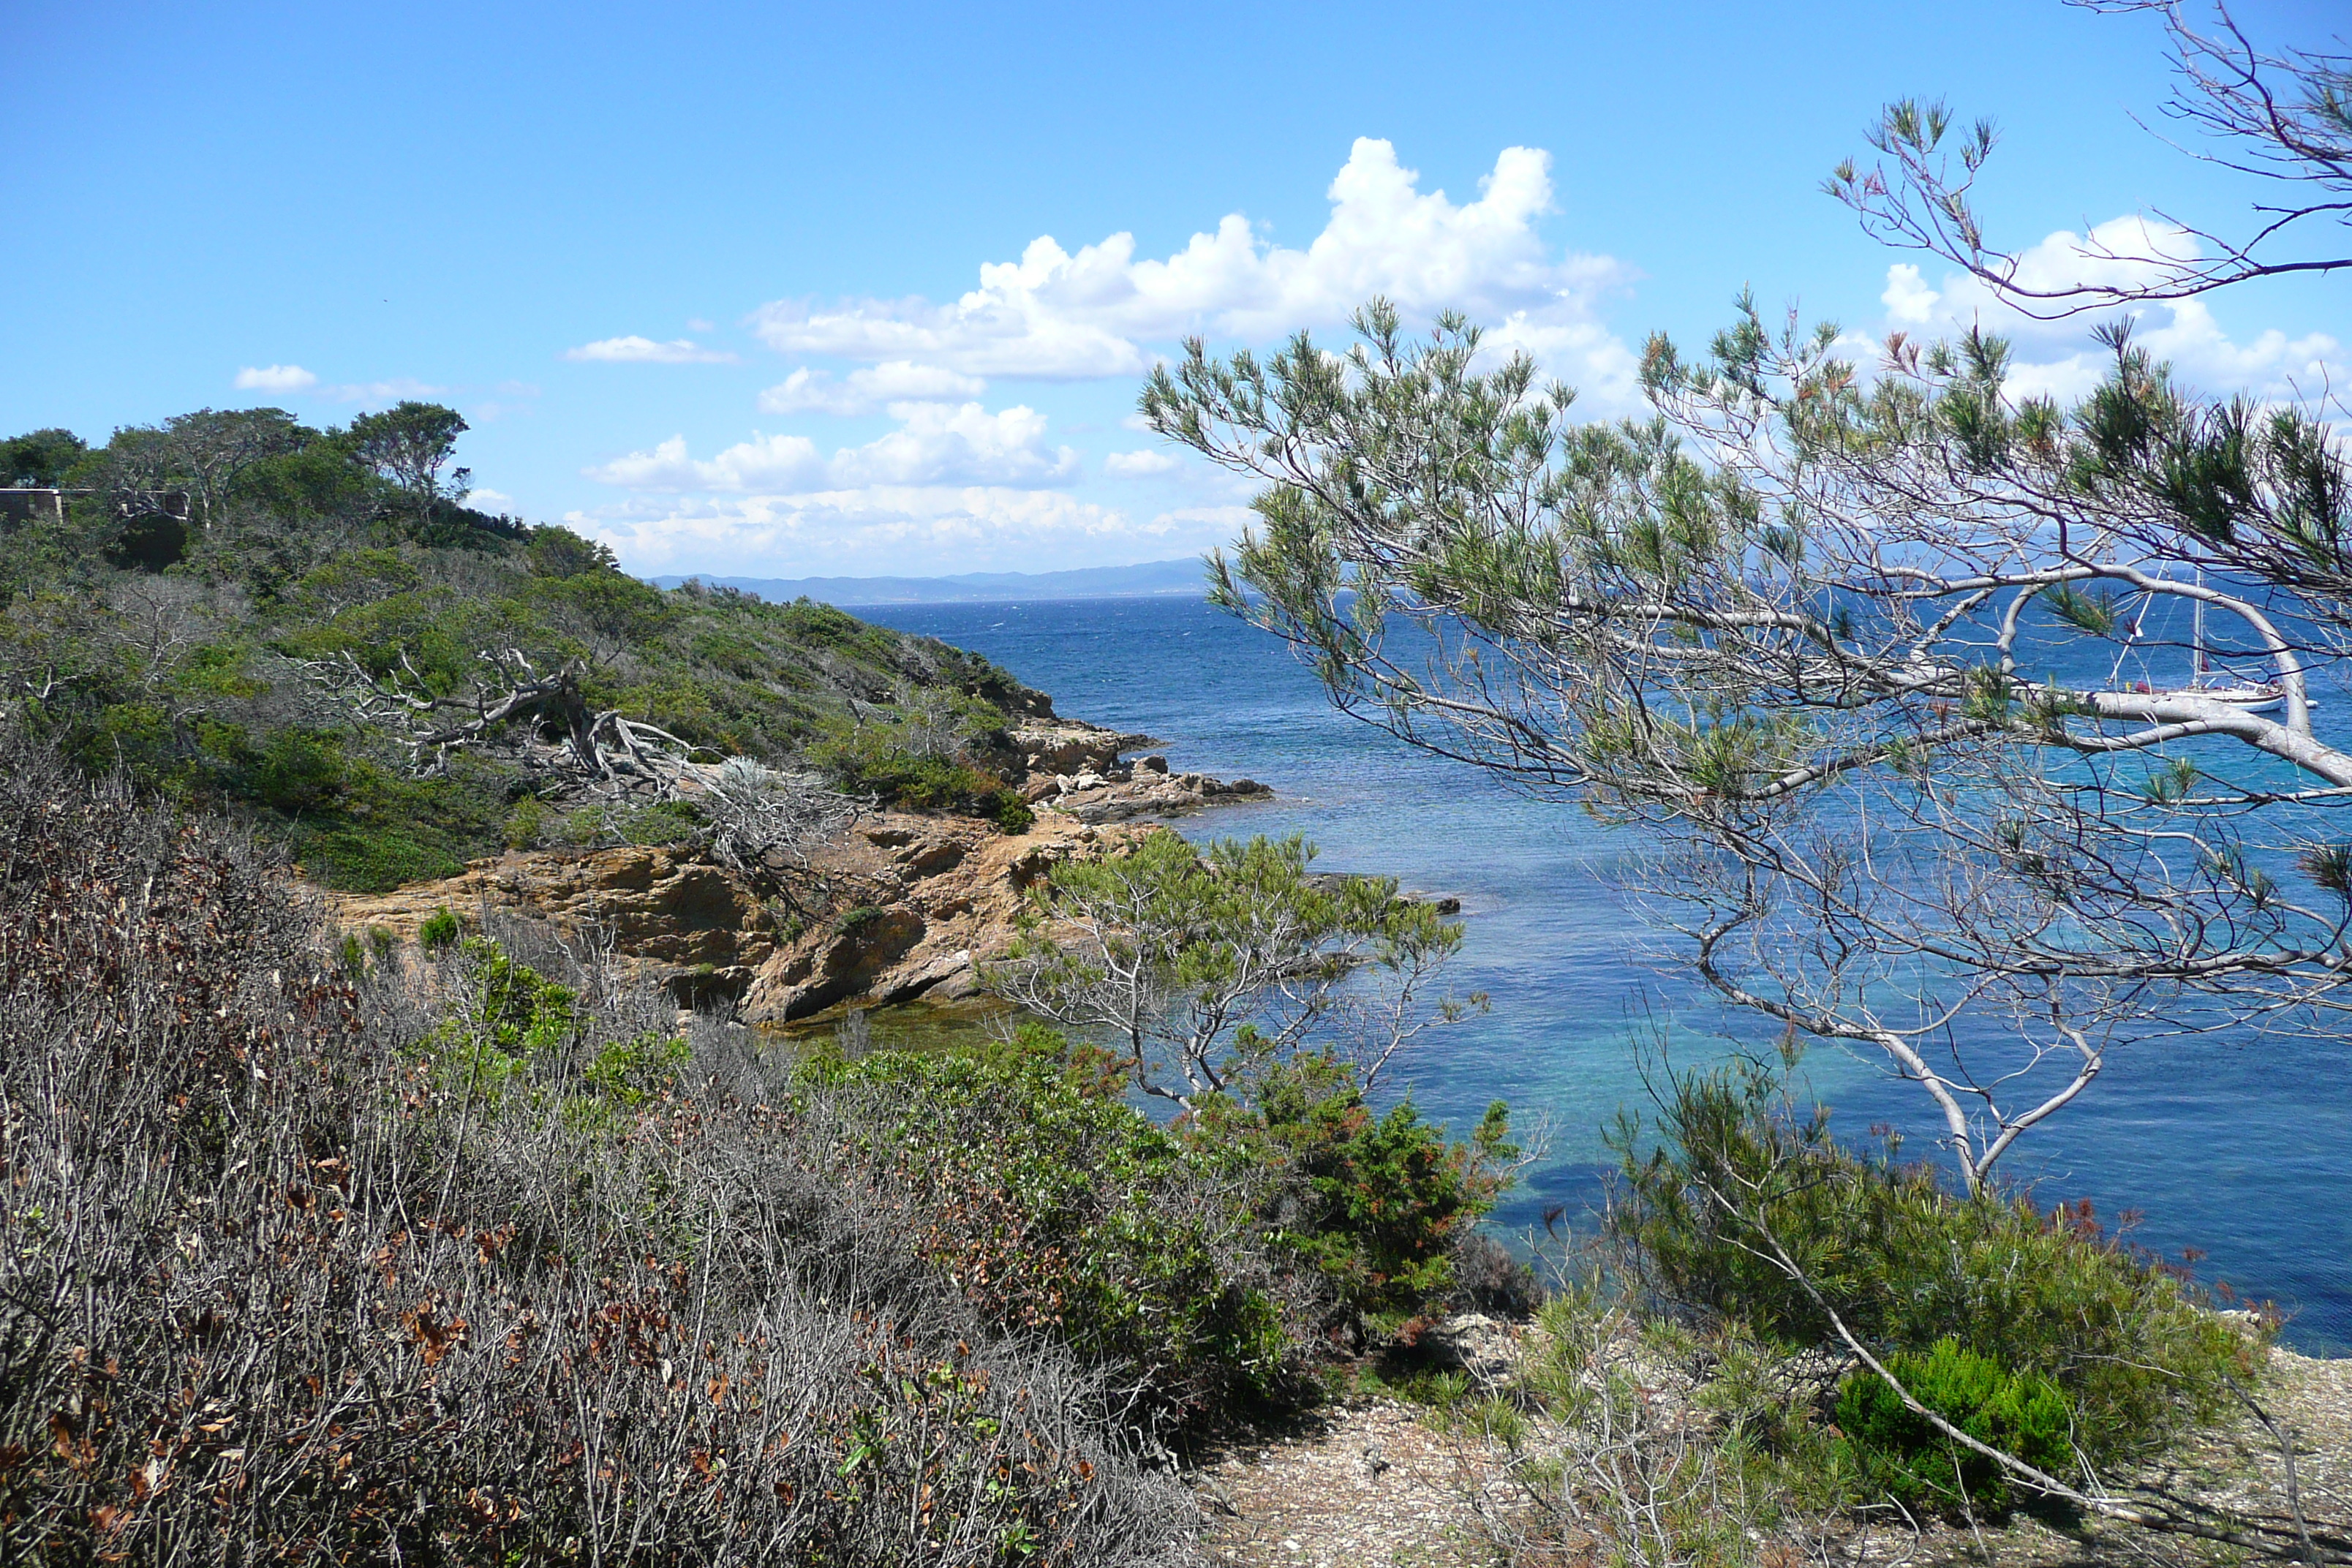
1073 767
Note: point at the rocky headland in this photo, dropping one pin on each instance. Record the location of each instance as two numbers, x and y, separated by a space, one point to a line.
898 907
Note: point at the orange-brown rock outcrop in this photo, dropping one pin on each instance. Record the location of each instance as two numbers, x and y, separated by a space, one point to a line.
903 906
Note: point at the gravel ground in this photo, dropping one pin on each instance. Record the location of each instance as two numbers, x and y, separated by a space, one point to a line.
1370 1486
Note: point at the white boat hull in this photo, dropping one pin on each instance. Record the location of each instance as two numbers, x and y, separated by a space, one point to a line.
2251 698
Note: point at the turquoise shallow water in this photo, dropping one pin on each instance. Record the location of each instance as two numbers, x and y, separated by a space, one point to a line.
2238 1145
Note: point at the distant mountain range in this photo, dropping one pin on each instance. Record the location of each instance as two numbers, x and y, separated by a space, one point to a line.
1153 577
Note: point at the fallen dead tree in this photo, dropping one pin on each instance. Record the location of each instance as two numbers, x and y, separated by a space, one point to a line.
603 744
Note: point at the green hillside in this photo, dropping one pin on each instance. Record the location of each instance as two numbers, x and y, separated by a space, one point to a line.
238 610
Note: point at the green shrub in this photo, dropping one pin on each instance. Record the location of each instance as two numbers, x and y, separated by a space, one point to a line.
915 758
511 1016
1901 1455
604 826
375 860
439 930
1375 1204
670 822
298 771
525 823
1058 1208
1006 808
854 922
2128 1341
633 1071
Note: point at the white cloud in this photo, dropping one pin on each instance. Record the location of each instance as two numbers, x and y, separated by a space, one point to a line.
696 324
2272 367
935 443
483 498
954 485
289 378
2056 358
634 349
764 462
1138 465
917 530
1058 315
942 443
1908 300
815 392
275 378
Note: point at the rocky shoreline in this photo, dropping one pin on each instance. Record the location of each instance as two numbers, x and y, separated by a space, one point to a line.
900 908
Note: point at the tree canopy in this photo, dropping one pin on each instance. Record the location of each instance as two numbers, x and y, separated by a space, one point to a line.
39 459
1893 665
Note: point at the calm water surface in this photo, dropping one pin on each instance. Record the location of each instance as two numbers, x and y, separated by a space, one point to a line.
2238 1145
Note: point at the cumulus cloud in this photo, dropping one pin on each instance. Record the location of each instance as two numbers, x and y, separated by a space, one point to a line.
275 378
934 444
2271 366
951 486
863 391
1055 314
2058 358
1907 299
764 462
1138 465
954 485
941 443
634 349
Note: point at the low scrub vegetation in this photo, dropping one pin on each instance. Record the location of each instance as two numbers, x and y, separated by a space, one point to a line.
466 1258
930 752
1060 1208
315 1249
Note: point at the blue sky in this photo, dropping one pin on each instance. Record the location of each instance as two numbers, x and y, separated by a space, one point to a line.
708 279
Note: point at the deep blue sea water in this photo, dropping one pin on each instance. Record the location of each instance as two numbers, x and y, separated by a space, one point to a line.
2238 1145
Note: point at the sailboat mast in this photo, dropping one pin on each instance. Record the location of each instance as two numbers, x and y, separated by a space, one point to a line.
2197 632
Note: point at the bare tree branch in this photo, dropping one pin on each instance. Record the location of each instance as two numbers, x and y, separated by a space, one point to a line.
2285 119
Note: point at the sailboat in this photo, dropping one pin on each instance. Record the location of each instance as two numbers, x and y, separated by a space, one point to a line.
2207 682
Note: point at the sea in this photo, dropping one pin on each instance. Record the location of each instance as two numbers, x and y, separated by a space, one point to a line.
2232 1145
